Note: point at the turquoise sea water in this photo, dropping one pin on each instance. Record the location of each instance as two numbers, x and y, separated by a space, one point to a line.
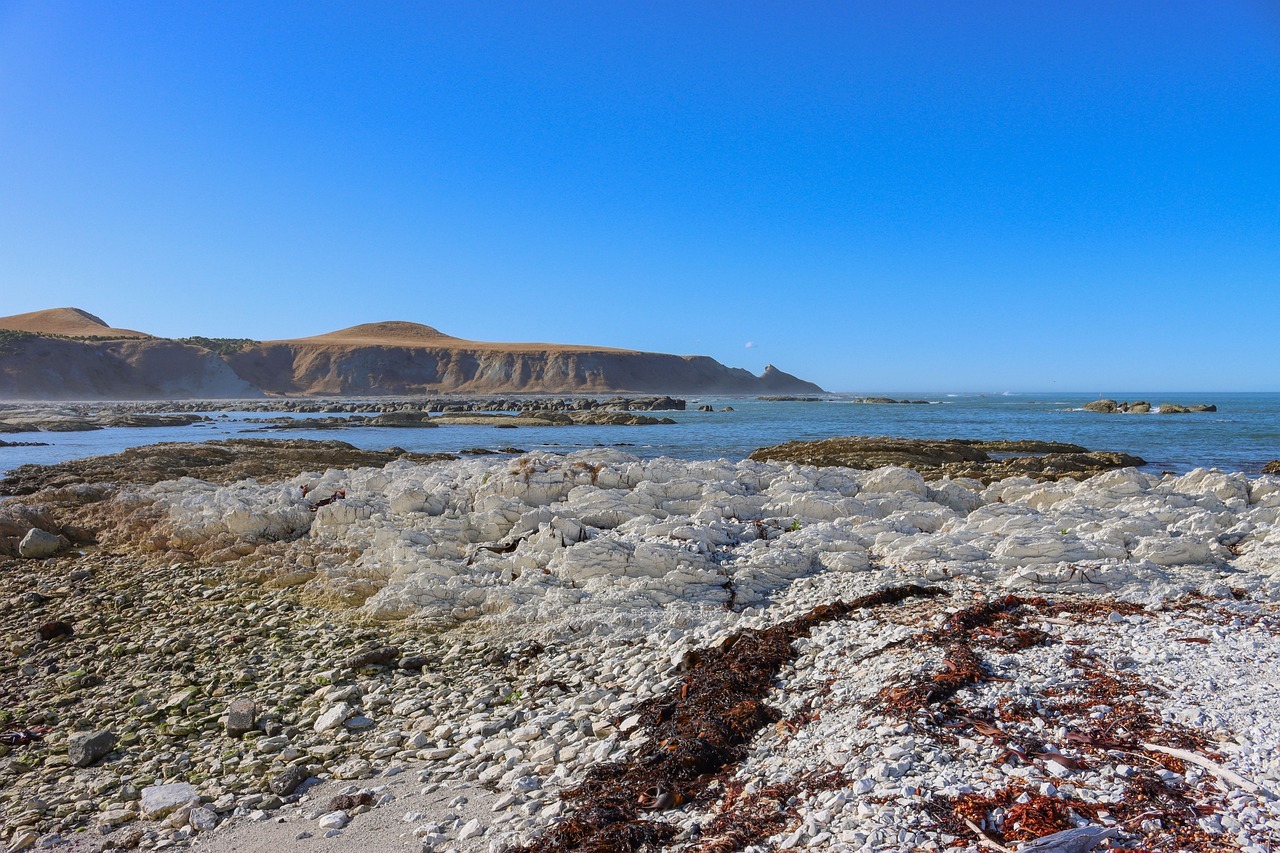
1241 436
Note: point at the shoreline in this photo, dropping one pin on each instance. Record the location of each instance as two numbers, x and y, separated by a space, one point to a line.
1232 439
535 605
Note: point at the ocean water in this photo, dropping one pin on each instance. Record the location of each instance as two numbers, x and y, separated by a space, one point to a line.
1242 435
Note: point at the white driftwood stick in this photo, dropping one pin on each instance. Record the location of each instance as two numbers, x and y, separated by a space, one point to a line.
983 840
1214 768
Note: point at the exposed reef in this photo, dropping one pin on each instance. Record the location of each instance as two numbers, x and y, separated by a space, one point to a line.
1040 460
1142 407
223 461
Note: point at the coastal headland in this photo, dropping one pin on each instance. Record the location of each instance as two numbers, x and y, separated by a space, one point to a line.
70 354
295 645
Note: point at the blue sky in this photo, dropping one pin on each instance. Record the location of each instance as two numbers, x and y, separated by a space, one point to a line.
977 196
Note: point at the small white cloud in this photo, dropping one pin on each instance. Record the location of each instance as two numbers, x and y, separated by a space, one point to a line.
750 345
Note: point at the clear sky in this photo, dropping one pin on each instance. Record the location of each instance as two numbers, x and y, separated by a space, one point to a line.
912 195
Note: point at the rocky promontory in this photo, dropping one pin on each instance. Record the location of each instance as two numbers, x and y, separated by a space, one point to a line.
69 354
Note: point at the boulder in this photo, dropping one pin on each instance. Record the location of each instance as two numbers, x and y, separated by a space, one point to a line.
38 544
160 800
380 656
287 781
1106 407
240 717
412 420
334 717
84 748
1272 467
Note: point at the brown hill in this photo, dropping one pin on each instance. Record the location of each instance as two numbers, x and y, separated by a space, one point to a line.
385 358
71 322
398 333
389 333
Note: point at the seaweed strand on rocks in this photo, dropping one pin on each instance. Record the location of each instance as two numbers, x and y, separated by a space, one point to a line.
696 734
1102 717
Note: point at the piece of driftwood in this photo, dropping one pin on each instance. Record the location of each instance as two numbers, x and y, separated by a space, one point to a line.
984 840
1078 840
1216 769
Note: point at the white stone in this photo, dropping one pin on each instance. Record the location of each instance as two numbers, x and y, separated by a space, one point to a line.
37 544
160 800
334 717
470 829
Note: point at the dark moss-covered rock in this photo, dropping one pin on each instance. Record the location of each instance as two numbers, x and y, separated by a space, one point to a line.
224 461
598 418
412 420
85 748
1041 460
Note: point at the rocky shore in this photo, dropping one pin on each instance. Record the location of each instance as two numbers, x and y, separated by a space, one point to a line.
374 406
312 647
533 411
412 420
873 400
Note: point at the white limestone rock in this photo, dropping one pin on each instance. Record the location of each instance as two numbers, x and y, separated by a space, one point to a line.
334 717
38 544
160 800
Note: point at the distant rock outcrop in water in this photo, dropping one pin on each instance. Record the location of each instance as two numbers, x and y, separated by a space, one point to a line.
68 354
1142 407
1039 460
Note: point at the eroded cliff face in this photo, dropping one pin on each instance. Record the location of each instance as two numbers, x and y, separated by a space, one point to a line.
44 368
69 354
296 368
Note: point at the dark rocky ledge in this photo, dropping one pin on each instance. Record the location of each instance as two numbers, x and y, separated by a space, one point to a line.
223 461
1142 407
982 460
